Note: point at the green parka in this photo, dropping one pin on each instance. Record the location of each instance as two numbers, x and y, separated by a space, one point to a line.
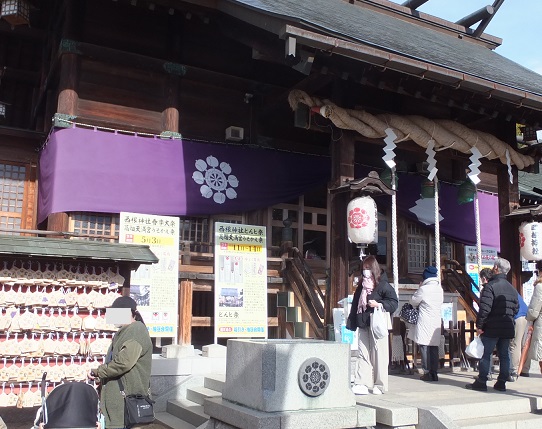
131 359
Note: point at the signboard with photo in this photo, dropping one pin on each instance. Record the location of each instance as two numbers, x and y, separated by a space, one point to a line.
240 281
155 287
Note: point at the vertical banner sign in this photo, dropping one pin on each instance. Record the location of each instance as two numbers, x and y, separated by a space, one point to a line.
489 254
155 287
240 281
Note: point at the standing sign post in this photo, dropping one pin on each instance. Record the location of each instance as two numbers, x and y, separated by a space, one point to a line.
488 254
240 281
155 287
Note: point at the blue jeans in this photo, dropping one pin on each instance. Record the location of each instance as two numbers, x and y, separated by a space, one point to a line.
502 345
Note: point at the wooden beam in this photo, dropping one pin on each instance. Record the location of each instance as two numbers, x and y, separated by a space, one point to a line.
477 16
342 159
414 4
185 313
508 197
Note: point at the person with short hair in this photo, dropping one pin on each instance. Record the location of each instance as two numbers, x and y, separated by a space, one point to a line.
495 325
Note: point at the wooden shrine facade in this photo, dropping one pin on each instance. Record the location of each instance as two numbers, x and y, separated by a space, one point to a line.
222 71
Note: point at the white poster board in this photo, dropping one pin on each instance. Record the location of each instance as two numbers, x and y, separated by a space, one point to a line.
489 254
155 287
240 281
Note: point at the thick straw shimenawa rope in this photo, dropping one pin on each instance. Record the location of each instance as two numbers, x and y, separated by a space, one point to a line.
446 133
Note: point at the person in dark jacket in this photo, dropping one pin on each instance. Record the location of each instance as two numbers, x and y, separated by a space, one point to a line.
373 356
495 325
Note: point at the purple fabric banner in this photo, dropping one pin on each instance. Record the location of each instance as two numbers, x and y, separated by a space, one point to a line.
96 171
457 221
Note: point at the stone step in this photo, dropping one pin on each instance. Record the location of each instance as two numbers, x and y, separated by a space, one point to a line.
188 411
215 382
168 420
510 421
198 394
486 405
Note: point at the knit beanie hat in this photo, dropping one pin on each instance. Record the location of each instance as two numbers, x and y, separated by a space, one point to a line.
429 272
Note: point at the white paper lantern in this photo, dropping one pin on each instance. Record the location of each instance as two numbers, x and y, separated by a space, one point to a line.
362 220
530 241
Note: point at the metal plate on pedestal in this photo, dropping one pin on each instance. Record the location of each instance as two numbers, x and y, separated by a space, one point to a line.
313 377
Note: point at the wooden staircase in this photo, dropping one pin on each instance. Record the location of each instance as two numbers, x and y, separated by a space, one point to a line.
455 279
303 301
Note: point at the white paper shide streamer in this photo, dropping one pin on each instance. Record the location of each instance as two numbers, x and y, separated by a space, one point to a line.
474 164
432 167
389 157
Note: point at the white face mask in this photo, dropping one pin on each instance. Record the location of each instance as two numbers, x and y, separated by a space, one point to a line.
367 274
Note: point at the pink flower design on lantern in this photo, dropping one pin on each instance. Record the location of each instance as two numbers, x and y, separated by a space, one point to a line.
521 239
358 218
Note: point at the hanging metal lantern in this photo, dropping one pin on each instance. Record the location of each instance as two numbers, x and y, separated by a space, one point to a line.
466 192
530 241
362 220
386 175
16 12
428 189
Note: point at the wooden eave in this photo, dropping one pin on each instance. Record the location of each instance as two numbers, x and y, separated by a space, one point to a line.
526 212
75 250
330 41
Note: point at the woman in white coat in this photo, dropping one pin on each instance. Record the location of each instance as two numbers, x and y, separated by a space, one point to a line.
426 333
534 314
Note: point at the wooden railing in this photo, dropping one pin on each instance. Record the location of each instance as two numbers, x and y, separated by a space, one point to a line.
457 280
307 291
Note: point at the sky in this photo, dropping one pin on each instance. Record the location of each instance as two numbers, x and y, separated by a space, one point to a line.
517 22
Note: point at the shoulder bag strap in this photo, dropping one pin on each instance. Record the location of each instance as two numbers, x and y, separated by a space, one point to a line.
121 386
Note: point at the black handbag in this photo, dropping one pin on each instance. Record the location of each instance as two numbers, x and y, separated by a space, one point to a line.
138 409
409 314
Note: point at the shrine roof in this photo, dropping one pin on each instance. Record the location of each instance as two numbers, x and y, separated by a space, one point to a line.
457 53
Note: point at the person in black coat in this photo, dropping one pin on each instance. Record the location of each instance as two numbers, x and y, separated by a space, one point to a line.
495 325
373 355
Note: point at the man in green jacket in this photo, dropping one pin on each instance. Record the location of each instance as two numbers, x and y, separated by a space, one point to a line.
129 358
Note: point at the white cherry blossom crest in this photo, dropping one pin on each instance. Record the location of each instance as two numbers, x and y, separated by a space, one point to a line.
215 179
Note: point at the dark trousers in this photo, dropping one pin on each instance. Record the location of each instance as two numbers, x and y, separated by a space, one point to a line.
430 360
484 366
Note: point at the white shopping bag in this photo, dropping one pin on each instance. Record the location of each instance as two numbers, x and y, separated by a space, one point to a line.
475 349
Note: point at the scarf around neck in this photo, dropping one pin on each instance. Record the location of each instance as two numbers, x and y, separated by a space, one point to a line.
368 286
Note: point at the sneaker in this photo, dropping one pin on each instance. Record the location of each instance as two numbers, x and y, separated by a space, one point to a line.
426 377
376 391
477 385
500 386
360 389
513 377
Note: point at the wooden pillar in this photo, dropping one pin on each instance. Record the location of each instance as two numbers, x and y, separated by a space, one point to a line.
508 201
402 243
185 313
69 76
125 271
170 115
69 62
342 161
58 222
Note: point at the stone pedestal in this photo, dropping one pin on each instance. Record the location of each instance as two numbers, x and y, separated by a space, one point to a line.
288 375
